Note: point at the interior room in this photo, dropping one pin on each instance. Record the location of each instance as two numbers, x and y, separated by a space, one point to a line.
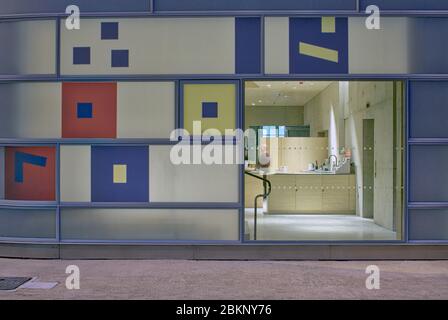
325 162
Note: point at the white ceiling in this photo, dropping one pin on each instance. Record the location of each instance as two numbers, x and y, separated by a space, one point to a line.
282 93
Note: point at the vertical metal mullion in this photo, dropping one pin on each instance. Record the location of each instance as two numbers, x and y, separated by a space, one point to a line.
241 166
407 96
262 45
58 192
58 47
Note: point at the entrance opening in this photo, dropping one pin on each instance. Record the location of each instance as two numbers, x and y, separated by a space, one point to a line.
326 160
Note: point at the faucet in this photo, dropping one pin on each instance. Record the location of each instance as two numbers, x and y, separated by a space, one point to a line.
331 163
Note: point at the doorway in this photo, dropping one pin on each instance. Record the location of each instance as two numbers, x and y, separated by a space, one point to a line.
368 167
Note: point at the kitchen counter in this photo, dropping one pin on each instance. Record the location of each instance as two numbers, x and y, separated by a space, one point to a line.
310 192
317 173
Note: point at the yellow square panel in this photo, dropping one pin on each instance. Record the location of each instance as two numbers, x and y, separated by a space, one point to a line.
194 95
120 173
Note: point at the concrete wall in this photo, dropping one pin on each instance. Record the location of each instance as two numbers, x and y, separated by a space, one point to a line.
351 102
323 111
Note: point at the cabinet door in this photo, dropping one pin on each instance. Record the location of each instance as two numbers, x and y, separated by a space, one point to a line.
352 193
282 197
335 194
309 193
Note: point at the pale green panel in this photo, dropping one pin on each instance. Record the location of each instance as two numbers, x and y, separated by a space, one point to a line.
149 224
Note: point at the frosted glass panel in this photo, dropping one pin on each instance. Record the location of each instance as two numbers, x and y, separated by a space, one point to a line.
149 224
29 47
155 46
75 173
27 223
428 224
428 179
30 110
190 183
145 109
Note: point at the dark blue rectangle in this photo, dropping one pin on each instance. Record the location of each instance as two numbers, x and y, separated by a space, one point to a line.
120 58
248 45
85 110
81 55
406 4
428 174
136 188
109 30
209 110
309 31
58 6
254 5
429 109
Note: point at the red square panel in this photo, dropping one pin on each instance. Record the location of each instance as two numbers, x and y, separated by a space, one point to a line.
102 96
30 173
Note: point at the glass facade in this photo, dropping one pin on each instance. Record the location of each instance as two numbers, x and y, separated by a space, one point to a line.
87 120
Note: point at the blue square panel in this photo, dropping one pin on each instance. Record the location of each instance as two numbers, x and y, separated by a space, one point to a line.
127 165
84 110
209 110
120 58
318 45
81 55
109 30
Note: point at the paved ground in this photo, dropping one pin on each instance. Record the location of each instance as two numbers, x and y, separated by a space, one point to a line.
231 279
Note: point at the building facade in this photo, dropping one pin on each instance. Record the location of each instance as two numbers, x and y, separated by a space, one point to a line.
88 118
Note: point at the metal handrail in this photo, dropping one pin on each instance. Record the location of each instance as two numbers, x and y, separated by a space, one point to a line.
267 187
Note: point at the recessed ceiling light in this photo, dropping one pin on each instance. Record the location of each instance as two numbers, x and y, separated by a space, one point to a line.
260 101
269 85
253 103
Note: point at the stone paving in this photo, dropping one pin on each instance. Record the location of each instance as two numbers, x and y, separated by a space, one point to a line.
175 279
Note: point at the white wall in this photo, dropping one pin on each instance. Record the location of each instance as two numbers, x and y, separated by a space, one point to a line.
145 109
317 115
75 174
156 46
30 110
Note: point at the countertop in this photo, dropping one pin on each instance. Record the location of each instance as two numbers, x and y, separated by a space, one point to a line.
316 173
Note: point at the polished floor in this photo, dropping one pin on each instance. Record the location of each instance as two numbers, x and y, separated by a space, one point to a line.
290 227
228 280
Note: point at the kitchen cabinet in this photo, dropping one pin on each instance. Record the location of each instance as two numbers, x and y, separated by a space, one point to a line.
312 194
283 193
